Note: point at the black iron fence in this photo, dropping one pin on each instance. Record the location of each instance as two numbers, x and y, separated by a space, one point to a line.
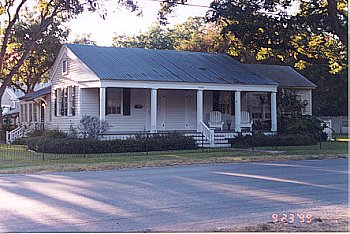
13 153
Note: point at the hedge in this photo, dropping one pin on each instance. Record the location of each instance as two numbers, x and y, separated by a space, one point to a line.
92 146
259 140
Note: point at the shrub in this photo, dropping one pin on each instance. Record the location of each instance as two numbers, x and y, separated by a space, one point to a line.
48 134
300 125
90 127
139 144
259 140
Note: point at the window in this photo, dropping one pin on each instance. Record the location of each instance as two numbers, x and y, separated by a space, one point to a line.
64 67
71 100
118 101
25 113
65 101
22 113
30 112
58 102
222 102
55 100
35 113
114 101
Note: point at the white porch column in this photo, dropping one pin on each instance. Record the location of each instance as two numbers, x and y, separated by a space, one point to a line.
199 110
238 111
273 112
154 110
102 104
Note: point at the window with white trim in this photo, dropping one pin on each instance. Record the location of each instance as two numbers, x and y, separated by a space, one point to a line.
65 67
30 112
118 101
65 101
35 113
25 113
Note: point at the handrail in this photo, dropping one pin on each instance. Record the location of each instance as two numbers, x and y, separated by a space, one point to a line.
208 134
14 134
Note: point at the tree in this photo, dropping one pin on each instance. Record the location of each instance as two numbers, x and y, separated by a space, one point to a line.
35 69
84 39
156 37
46 12
193 35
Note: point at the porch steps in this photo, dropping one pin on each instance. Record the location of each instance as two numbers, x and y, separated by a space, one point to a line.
220 140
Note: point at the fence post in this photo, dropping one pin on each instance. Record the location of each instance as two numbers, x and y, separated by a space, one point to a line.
202 142
147 141
43 151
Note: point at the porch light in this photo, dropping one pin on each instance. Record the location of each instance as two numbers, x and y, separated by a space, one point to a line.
43 104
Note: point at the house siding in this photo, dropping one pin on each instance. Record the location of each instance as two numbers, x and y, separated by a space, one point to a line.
76 72
137 120
306 95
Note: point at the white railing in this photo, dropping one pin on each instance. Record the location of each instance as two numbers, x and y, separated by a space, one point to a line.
208 134
15 134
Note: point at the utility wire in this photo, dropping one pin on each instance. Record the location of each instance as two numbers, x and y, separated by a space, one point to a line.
197 5
183 4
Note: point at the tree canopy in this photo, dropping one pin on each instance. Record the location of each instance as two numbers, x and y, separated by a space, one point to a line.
33 31
193 35
313 40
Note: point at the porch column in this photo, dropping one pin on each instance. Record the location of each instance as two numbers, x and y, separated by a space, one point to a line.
273 112
199 110
154 110
238 111
102 104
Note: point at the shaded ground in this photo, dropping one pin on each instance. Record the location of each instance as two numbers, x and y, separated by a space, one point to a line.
15 159
180 198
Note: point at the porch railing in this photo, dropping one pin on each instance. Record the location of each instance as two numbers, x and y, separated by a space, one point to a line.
208 134
15 134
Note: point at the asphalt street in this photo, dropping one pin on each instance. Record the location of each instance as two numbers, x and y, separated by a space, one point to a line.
178 198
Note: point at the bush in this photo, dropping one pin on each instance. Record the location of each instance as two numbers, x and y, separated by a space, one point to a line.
139 144
260 140
301 125
48 134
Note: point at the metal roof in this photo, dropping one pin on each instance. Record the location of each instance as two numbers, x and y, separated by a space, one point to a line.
36 94
284 76
113 63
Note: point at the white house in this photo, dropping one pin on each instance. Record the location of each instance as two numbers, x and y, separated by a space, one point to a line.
9 101
141 90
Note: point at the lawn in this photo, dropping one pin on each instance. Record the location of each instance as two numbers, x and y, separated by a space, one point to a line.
16 159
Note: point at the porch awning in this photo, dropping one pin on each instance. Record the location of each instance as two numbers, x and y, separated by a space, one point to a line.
36 94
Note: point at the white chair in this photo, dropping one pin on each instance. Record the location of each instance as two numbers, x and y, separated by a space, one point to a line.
245 120
328 129
215 120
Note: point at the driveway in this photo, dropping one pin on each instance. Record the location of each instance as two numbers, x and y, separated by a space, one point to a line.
179 198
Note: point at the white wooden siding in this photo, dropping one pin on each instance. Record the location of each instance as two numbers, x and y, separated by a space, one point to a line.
306 95
90 102
136 121
175 110
190 110
76 72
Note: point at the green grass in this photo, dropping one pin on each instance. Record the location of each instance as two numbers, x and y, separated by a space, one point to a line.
17 159
327 148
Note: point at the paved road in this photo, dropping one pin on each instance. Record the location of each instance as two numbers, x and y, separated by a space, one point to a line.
181 198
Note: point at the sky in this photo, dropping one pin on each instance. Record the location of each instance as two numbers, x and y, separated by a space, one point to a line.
123 21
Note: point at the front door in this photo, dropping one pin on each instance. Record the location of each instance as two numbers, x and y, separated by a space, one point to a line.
42 112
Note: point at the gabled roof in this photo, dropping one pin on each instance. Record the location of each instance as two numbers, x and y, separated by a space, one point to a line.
33 95
113 63
284 76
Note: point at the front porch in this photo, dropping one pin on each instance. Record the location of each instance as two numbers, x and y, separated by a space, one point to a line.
157 110
164 110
